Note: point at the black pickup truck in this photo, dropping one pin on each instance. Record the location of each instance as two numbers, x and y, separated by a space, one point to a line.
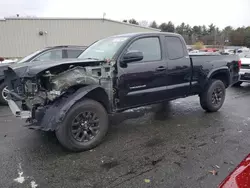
74 97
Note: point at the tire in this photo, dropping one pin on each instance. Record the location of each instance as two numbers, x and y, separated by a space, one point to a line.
69 139
2 97
213 97
237 84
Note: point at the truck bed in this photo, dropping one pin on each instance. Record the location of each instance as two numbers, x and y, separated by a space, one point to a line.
208 62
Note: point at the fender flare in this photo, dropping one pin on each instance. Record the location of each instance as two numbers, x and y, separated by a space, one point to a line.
51 117
214 71
223 69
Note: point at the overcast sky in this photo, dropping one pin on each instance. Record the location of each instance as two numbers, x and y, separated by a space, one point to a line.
194 12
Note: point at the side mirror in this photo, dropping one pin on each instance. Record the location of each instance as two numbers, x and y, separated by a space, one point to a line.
132 56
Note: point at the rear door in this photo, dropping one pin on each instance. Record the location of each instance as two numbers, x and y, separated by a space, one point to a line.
179 67
144 81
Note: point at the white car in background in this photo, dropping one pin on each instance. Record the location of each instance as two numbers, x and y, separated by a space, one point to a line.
9 61
245 68
228 51
194 51
243 50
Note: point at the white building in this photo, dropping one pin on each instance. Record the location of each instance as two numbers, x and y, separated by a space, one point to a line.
21 36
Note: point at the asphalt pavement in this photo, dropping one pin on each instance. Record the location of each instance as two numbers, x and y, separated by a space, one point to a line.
175 145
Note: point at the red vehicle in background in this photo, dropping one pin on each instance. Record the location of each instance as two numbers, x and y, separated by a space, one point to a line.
240 177
209 50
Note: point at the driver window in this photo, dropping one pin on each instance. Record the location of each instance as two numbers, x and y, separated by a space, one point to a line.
150 47
51 55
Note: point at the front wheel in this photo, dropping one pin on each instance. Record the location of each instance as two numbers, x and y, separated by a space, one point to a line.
84 126
4 93
213 97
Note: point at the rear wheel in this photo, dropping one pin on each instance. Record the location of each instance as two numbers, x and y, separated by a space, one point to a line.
237 84
213 97
84 126
3 95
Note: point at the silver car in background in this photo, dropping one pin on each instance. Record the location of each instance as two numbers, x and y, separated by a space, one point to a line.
245 68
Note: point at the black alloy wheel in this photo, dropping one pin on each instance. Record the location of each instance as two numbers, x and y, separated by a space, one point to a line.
85 126
217 96
213 96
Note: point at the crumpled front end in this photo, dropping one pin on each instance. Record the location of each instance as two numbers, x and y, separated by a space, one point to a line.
41 99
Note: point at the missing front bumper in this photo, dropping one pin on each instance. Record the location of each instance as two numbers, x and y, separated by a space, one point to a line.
17 111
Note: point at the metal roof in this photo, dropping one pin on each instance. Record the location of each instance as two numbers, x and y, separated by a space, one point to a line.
67 18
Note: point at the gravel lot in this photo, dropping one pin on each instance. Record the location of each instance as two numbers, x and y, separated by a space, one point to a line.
173 145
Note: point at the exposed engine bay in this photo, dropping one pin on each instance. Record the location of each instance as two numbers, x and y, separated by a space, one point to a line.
41 90
52 85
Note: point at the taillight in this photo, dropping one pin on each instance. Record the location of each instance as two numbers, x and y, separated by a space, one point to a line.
239 64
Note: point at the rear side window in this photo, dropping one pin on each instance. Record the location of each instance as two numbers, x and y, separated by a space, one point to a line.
50 55
150 47
73 53
174 48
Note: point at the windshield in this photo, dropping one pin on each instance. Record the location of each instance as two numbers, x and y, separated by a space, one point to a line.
29 56
103 49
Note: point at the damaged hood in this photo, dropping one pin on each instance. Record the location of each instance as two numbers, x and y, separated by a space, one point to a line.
2 68
31 69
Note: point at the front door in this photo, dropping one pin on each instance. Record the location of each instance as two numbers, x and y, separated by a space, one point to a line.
143 82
